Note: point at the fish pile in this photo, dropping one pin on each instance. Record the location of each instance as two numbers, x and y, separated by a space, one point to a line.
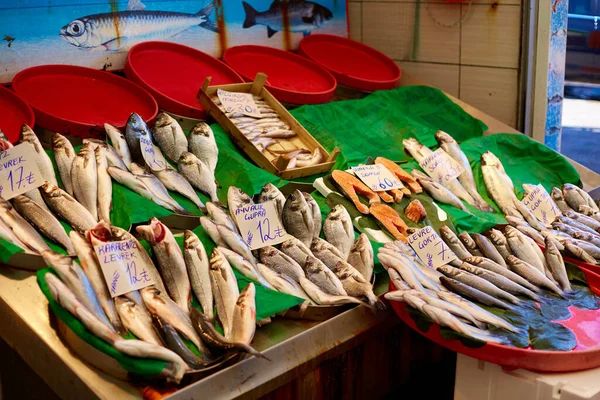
272 134
160 316
461 188
492 269
334 271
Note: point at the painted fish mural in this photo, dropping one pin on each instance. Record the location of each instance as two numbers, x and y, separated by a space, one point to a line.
304 16
121 30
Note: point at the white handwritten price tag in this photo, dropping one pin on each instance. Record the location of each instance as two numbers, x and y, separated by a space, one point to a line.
19 172
377 177
123 267
441 167
430 247
541 205
235 102
260 226
152 154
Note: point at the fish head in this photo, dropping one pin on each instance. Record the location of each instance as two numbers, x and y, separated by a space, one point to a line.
248 292
154 233
51 190
188 158
5 205
5 144
59 141
137 169
556 194
56 260
83 33
267 252
136 123
111 130
27 134
510 231
496 237
190 240
296 201
202 129
337 212
321 15
101 233
443 137
411 144
512 259
163 119
216 259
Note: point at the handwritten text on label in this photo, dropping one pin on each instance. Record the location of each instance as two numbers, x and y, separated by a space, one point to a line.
441 167
260 225
430 247
152 154
18 171
239 103
377 177
541 205
123 267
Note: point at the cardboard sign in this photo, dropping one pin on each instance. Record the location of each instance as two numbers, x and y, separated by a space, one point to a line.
123 267
430 247
441 167
241 103
19 172
152 154
377 177
260 225
541 205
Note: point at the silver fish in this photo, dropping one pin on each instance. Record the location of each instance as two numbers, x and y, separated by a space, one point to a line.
489 265
356 286
454 243
270 192
197 264
498 280
298 217
568 229
175 343
225 290
210 227
316 214
498 184
243 266
406 273
36 196
244 316
488 249
589 222
7 234
175 182
361 257
591 249
84 176
64 154
136 127
68 208
532 274
396 279
297 250
323 298
559 199
576 197
576 224
437 191
579 253
470 244
589 211
104 185
119 143
201 142
553 237
588 237
169 136
499 241
280 262
157 188
42 159
475 294
220 216
523 249
338 229
528 215
44 221
21 228
556 265
531 233
237 198
319 274
198 174
236 243
170 261
137 320
478 283
326 252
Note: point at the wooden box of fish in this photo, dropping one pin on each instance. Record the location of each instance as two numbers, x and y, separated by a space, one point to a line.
275 141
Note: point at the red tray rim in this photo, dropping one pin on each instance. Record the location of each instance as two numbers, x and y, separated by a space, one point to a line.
18 103
286 95
83 71
169 103
349 80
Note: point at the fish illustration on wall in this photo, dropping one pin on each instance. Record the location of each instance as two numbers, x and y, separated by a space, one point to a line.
121 30
303 16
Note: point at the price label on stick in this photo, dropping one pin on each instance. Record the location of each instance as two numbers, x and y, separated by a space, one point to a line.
430 247
19 172
152 154
541 205
235 102
123 267
377 177
441 167
260 225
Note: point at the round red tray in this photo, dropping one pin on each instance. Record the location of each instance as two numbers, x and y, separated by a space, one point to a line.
511 357
290 77
352 63
173 74
15 112
78 101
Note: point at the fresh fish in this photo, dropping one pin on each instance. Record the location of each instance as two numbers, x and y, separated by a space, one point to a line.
210 227
532 274
67 208
237 198
137 320
326 252
516 221
498 280
579 253
174 342
523 249
467 179
361 257
119 143
489 265
174 181
134 129
478 283
356 286
498 184
220 216
583 219
84 176
104 185
531 233
454 243
170 261
589 211
576 224
316 214
270 192
36 195
469 244
319 274
437 191
338 229
396 279
568 229
429 283
44 221
281 283
64 154
225 290
201 142
244 316
323 298
499 241
298 217
136 25
197 264
198 174
553 237
588 237
7 234
591 249
158 189
406 273
528 215
559 199
475 294
576 197
351 186
236 243
42 160
296 250
488 249
21 228
169 136
280 262
556 265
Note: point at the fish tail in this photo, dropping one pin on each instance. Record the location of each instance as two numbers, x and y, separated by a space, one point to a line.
205 12
207 9
250 15
250 350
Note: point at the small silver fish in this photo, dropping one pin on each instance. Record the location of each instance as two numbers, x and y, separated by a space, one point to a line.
169 136
64 154
470 244
202 144
500 243
175 182
532 274
280 262
119 143
68 208
556 265
210 227
84 176
225 290
576 197
235 242
282 283
198 174
220 216
356 286
475 294
42 160
559 199
319 274
454 243
137 320
21 228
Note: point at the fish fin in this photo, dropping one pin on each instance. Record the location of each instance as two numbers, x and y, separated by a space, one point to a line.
270 32
115 44
250 15
210 25
207 9
135 5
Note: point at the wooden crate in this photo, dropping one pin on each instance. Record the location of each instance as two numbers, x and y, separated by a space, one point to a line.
265 159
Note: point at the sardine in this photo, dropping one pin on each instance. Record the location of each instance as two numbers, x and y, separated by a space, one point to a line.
210 227
170 137
64 154
454 243
356 286
556 265
478 283
173 342
21 228
198 174
532 274
498 280
201 142
43 161
361 257
473 293
220 216
104 185
298 217
119 143
498 184
68 208
236 243
137 320
237 198
270 192
281 283
280 262
136 127
470 244
84 176
576 197
297 250
523 249
225 290
175 182
197 264
338 229
488 249
437 191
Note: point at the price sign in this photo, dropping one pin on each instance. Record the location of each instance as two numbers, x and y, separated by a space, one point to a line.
152 154
541 205
235 102
377 177
441 167
19 172
260 225
123 267
430 247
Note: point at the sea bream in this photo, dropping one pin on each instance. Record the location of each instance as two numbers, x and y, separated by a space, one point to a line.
119 30
302 16
201 143
169 136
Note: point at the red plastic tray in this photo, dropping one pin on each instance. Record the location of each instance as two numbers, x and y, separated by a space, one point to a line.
352 63
290 77
587 357
173 74
15 112
78 101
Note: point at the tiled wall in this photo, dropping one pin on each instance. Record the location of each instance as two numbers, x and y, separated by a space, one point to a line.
476 60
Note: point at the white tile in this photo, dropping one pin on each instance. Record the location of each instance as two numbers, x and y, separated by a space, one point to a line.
441 76
355 17
438 43
388 27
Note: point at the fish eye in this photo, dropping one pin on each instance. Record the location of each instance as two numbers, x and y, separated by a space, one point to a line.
76 28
